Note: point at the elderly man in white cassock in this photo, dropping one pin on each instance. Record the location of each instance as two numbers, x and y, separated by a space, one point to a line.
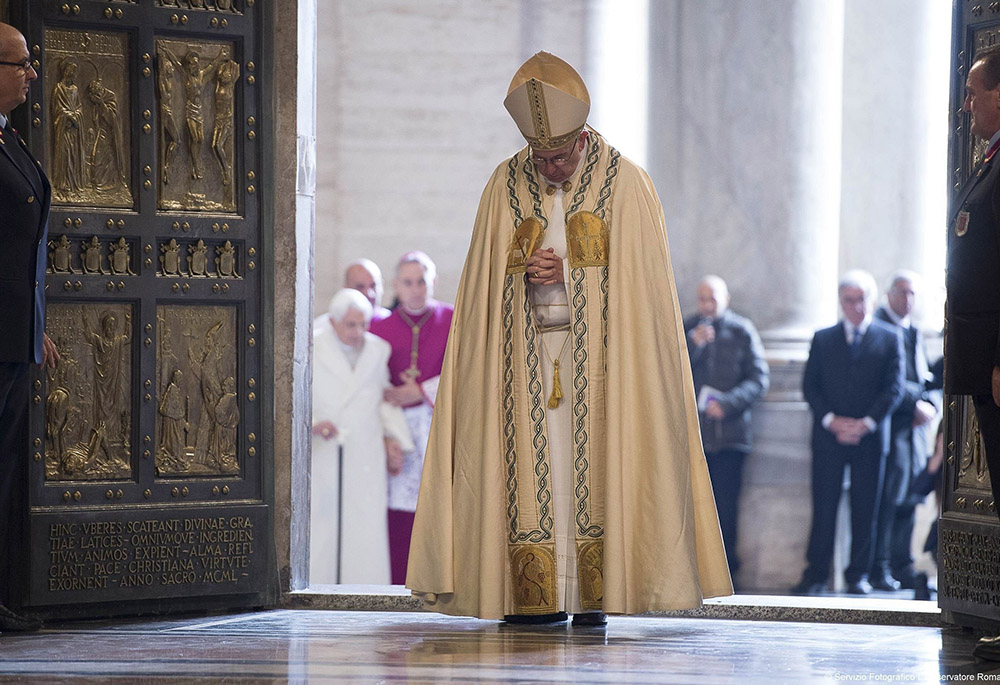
350 374
564 471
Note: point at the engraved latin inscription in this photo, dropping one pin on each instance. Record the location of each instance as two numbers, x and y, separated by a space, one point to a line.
150 553
970 566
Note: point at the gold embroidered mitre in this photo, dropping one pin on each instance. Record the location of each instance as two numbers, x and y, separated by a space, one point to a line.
548 101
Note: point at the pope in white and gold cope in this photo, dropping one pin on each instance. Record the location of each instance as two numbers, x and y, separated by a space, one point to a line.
564 470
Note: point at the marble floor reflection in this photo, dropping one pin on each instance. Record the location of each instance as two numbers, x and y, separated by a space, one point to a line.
371 647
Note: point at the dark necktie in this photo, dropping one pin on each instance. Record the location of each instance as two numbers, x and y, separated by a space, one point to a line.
856 344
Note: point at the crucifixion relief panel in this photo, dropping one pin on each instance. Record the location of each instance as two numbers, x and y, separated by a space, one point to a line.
196 84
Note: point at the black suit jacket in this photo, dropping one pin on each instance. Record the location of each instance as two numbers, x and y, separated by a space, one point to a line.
25 196
972 343
869 385
917 372
915 388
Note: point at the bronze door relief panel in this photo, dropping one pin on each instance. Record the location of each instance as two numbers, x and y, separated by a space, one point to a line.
87 86
196 393
195 92
148 477
88 408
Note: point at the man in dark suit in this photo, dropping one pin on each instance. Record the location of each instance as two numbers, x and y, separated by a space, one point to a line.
908 443
852 382
24 206
972 343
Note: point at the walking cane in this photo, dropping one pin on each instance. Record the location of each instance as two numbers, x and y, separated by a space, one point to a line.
340 506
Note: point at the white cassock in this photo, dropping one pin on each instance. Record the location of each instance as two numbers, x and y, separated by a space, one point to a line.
350 397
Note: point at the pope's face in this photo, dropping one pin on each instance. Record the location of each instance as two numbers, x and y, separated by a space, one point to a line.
412 287
14 81
351 328
854 304
982 104
558 165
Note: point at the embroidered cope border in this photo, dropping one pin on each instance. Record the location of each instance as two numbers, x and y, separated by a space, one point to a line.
531 541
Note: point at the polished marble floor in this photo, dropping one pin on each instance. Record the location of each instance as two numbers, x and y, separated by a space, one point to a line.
382 647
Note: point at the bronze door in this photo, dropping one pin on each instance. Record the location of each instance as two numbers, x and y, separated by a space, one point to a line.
149 472
969 532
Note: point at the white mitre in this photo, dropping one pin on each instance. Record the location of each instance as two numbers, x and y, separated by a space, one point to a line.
548 101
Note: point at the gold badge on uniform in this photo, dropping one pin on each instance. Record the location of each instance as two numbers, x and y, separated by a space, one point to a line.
962 224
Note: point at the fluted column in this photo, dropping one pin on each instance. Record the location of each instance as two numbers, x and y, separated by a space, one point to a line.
896 62
745 147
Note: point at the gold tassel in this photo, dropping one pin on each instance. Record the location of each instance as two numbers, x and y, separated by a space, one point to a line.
556 387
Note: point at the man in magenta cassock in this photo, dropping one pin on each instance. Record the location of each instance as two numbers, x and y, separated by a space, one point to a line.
418 333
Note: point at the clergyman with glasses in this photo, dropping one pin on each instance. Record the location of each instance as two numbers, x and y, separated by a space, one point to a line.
25 194
564 471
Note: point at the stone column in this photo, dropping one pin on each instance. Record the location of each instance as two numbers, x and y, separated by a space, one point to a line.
745 119
896 60
745 149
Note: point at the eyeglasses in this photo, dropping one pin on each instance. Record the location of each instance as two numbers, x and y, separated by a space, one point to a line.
558 160
23 65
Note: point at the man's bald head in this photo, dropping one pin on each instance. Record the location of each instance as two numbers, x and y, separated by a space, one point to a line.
7 33
713 297
14 79
364 276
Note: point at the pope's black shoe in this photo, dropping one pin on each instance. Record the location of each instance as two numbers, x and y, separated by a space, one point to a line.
16 622
590 618
988 648
536 620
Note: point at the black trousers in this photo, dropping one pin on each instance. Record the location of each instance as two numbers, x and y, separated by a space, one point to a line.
725 467
900 556
894 523
867 466
14 391
988 414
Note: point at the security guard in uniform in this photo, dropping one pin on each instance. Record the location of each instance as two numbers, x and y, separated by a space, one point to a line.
24 207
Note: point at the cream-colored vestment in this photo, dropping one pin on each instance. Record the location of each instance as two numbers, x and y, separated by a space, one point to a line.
636 499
